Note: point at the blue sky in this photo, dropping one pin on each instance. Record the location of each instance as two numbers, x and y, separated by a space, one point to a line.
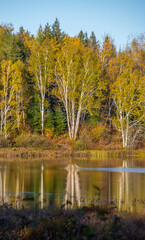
119 18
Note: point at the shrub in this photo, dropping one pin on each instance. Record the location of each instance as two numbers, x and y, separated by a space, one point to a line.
90 135
80 145
99 132
32 140
84 141
4 142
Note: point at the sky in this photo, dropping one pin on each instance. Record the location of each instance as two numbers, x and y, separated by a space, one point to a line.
121 19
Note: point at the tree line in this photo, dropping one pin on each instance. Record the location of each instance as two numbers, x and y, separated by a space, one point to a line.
52 83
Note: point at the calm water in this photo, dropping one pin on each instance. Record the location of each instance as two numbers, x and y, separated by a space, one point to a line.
73 182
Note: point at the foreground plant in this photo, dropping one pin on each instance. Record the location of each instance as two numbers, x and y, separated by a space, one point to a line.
92 222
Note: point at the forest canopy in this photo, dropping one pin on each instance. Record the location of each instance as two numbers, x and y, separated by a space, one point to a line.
53 84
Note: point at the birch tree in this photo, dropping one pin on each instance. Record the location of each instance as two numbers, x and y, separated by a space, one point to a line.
128 93
40 66
76 74
10 81
18 99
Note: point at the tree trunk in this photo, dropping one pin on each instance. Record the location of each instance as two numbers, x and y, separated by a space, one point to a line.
42 116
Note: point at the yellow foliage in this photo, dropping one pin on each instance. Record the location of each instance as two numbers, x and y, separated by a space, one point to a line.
98 131
49 132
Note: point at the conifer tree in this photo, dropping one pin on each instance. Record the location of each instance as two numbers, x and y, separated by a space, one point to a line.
81 36
108 54
60 122
9 49
56 31
47 31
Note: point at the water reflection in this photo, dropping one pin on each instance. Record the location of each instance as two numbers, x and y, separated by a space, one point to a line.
46 183
3 184
42 187
123 186
72 192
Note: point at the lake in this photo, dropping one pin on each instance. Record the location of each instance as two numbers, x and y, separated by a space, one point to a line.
72 182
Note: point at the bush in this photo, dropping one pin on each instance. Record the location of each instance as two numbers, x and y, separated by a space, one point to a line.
84 141
80 145
4 142
99 131
32 140
89 136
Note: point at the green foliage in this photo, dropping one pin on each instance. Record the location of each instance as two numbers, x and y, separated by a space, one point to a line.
56 31
9 49
33 115
93 119
49 119
60 122
93 42
81 36
47 31
24 50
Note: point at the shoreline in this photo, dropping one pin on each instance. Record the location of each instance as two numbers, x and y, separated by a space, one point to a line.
7 153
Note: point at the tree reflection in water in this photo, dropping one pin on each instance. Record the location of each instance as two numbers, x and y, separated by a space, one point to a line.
3 184
43 185
72 191
123 187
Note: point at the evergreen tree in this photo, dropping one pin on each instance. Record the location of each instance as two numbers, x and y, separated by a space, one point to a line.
81 36
108 55
40 35
49 119
93 42
23 47
47 31
33 114
86 39
56 31
60 122
9 49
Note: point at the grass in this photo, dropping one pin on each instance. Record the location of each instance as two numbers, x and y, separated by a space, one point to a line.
30 153
94 222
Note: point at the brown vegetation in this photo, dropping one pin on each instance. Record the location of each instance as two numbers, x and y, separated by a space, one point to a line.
93 222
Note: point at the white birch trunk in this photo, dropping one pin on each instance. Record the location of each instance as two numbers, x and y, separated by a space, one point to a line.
1 119
42 116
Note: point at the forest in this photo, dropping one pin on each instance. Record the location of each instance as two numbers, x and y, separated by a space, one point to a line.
77 89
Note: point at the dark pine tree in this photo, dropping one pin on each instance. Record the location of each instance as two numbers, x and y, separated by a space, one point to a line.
81 36
9 49
40 35
47 31
56 31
